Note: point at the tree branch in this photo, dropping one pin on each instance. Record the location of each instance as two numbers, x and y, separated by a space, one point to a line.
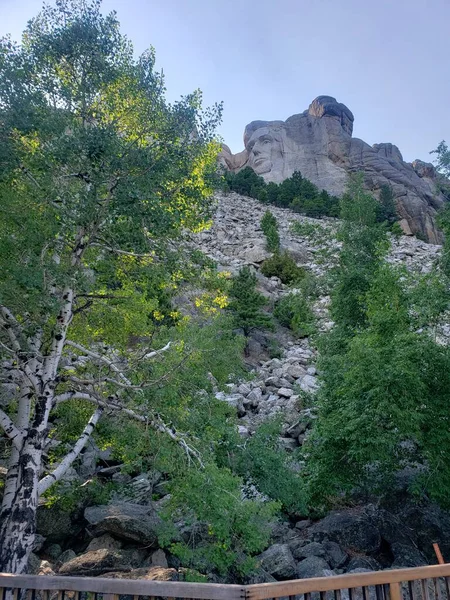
157 352
155 423
101 358
61 469
10 429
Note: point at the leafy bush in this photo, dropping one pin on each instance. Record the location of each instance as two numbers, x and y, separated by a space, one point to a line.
396 230
293 311
269 225
282 265
265 463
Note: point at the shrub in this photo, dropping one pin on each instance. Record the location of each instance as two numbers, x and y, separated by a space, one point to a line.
293 311
265 463
269 225
282 265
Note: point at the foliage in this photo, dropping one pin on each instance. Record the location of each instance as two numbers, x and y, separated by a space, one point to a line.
444 224
99 178
246 303
282 265
386 211
384 379
378 404
237 527
293 311
265 463
443 158
313 231
363 245
295 192
269 225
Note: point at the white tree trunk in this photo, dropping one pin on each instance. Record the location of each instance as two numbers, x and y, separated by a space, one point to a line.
18 512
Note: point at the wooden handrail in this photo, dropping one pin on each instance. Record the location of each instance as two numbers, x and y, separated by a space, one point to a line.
134 587
215 591
261 591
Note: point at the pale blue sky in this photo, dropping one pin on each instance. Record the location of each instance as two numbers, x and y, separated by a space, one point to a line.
387 60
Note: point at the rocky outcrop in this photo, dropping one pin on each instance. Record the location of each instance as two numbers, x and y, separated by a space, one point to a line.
125 520
319 144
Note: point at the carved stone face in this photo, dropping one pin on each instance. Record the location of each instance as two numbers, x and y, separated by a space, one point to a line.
265 148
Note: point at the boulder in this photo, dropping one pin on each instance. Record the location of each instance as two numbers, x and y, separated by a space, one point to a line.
311 549
105 541
363 562
55 524
407 556
125 520
278 561
151 573
66 556
313 566
285 392
156 559
334 555
54 551
96 562
308 383
350 529
39 541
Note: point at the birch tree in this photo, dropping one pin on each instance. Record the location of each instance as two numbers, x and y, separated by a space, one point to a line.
98 176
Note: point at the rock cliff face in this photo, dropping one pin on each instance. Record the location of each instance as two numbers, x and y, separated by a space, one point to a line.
319 144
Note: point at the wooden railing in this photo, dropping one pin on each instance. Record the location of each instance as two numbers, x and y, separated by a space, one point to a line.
421 583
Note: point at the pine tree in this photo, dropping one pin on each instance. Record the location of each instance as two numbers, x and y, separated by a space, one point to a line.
269 225
246 303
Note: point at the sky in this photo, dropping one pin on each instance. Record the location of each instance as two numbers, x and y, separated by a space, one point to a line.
387 60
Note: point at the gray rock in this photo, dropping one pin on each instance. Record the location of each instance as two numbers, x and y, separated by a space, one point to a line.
53 551
303 524
105 541
39 541
34 563
156 559
255 396
66 556
334 555
125 520
289 444
353 530
363 562
311 549
285 392
278 561
149 573
308 383
55 524
313 566
407 556
96 563
296 371
121 478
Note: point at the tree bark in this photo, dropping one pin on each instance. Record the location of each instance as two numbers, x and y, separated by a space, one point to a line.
19 506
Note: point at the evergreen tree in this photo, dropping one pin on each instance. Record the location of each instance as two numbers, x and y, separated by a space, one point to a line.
386 211
246 303
269 225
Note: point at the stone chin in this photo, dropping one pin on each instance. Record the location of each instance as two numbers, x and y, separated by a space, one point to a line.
262 166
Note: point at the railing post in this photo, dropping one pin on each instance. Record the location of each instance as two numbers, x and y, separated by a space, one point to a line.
395 591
